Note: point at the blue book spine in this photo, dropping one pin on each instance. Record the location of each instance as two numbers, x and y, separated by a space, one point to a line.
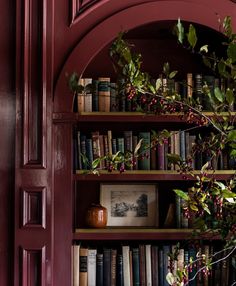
119 271
166 263
99 269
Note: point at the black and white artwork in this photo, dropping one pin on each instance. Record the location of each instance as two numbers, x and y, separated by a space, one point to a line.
129 204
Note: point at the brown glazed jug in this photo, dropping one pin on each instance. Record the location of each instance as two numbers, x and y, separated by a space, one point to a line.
96 216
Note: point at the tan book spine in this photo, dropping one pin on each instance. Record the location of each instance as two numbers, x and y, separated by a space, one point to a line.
83 267
104 94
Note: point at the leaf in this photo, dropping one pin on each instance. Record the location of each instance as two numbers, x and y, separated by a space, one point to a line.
173 158
206 209
158 83
221 185
180 31
166 68
182 194
218 94
229 96
232 135
204 49
73 82
192 37
205 166
233 153
170 278
231 52
173 74
193 207
138 146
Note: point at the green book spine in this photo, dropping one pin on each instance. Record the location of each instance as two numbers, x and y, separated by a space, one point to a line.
135 266
144 162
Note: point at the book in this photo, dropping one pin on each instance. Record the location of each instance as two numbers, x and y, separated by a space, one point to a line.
95 106
144 161
114 97
170 217
107 267
80 102
109 139
76 268
99 269
83 152
148 265
142 265
166 263
126 265
135 266
104 94
88 95
160 157
80 167
155 265
83 266
128 146
198 95
119 270
113 266
89 151
189 86
161 266
92 257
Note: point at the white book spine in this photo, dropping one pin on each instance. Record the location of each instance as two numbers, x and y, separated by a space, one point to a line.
148 264
126 265
92 254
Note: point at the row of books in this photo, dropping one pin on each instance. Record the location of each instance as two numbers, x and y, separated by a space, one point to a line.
148 264
102 94
182 143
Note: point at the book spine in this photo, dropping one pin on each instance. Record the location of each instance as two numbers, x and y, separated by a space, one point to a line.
155 263
107 267
89 151
83 267
142 264
135 259
119 270
92 254
160 157
148 265
166 263
113 266
83 152
104 94
126 265
79 151
114 97
95 106
144 162
88 95
76 268
99 269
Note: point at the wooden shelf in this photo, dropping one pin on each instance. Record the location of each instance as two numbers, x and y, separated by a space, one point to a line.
150 175
111 233
123 117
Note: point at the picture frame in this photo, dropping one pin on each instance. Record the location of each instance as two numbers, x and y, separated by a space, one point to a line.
130 204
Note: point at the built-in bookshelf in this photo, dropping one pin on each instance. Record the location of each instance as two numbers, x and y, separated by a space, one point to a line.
82 188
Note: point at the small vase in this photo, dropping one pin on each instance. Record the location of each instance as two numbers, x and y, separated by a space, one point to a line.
96 216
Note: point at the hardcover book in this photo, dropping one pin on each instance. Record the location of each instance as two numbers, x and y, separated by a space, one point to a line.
104 94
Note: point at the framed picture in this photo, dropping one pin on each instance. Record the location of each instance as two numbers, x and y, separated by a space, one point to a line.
130 204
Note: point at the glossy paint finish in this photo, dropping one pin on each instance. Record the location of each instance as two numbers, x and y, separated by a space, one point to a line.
54 38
